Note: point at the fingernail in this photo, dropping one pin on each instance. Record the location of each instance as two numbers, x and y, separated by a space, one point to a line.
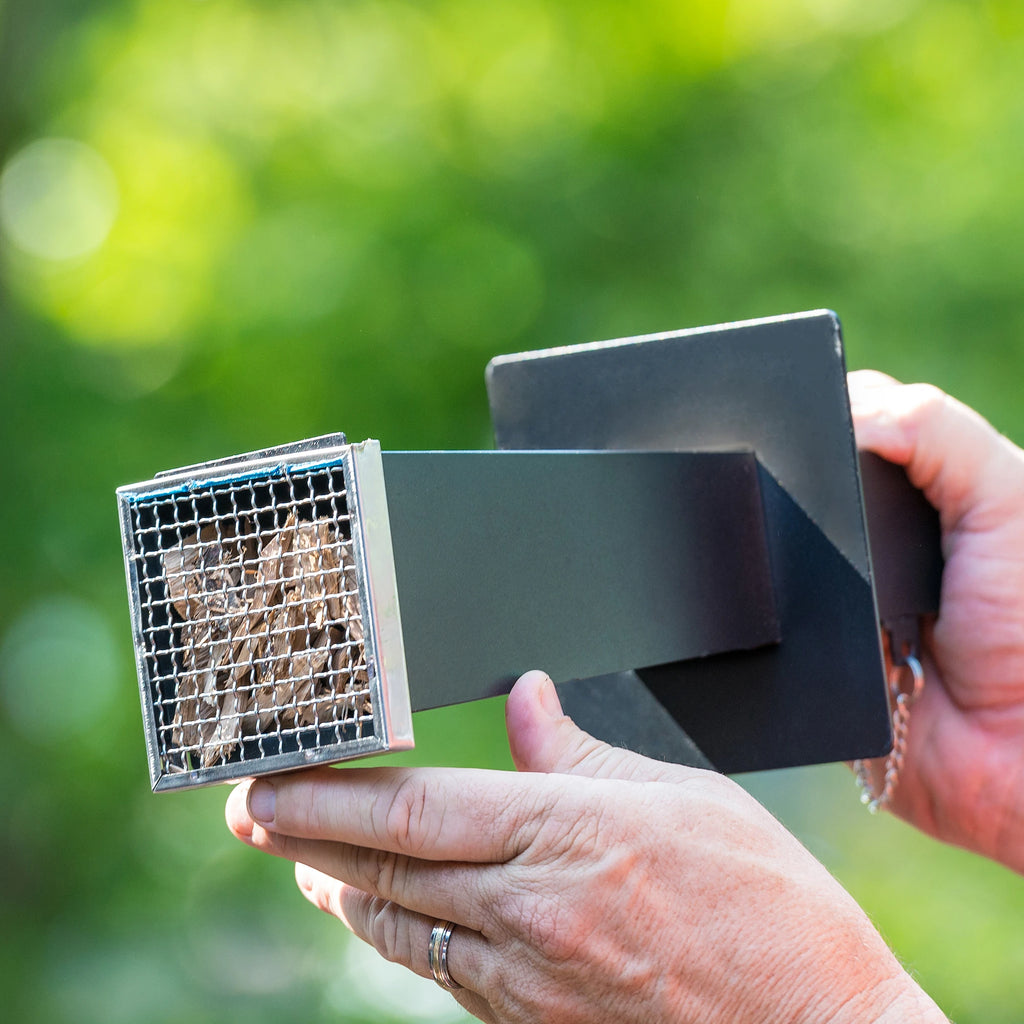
260 802
549 699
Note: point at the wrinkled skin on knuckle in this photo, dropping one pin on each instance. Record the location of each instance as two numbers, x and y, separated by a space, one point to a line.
563 827
533 814
377 872
552 926
384 930
586 833
403 821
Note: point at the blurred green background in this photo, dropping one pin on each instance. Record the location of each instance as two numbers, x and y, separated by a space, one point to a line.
227 224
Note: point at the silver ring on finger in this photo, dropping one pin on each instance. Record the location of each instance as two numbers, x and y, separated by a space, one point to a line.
437 955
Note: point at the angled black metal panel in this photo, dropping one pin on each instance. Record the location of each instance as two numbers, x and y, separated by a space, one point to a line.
779 387
621 708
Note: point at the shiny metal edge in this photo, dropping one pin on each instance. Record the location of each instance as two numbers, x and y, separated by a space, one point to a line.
371 542
277 452
289 457
731 325
145 684
274 764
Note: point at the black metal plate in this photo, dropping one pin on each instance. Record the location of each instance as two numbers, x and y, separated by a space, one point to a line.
583 562
779 387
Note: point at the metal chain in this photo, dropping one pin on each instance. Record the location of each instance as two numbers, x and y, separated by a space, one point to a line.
903 699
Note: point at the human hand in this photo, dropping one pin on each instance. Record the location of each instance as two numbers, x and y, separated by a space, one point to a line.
593 885
963 777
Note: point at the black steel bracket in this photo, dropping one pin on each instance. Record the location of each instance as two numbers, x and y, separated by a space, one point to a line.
778 387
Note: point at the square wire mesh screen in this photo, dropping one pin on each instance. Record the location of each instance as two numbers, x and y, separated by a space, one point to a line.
251 638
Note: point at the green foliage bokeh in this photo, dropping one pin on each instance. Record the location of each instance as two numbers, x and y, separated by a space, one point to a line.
229 224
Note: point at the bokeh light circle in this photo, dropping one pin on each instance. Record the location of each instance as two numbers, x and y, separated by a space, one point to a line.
58 199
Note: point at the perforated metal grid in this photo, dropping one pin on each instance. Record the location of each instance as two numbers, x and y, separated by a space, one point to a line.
249 602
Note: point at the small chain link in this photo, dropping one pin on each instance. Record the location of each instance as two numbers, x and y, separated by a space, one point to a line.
902 702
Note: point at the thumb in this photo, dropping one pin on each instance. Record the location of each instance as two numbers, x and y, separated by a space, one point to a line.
544 739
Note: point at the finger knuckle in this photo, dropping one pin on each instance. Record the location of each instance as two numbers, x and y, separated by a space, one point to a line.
566 828
927 401
555 928
540 918
383 929
585 833
380 872
532 813
404 817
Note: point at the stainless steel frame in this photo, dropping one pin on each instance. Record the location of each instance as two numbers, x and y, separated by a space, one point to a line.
152 522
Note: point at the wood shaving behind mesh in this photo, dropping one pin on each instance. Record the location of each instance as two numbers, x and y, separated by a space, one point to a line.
270 632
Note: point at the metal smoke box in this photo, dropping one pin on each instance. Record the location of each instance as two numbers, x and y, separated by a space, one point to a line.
676 533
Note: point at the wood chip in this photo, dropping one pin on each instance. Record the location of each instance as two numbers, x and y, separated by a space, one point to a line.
270 633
